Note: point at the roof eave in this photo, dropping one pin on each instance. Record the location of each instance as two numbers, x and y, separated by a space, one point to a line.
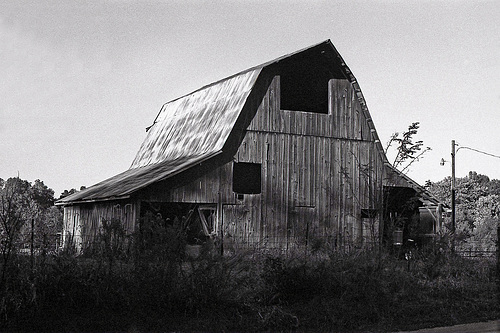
126 194
69 203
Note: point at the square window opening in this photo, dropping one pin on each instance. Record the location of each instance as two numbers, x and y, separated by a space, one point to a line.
247 178
305 92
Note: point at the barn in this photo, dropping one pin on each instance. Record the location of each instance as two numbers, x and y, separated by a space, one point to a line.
281 155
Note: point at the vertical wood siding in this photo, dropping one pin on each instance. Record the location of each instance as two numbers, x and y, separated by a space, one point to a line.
72 226
83 223
318 172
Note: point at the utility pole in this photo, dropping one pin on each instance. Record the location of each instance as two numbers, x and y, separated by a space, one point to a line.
453 196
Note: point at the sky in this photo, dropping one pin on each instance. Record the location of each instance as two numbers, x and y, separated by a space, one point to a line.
81 80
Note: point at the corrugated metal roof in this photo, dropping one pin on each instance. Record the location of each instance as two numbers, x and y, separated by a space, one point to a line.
187 130
125 183
198 123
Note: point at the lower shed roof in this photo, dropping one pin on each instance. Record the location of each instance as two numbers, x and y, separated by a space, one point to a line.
132 180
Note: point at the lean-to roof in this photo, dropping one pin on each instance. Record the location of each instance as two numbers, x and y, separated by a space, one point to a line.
126 183
396 178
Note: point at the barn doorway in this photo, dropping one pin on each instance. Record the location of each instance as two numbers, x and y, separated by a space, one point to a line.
401 215
197 222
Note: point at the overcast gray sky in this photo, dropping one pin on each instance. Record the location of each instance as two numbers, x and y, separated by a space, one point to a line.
80 80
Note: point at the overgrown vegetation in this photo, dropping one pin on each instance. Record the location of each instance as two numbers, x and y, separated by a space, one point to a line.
477 209
324 291
28 225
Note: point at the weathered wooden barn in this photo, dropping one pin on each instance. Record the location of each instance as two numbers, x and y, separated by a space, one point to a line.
280 155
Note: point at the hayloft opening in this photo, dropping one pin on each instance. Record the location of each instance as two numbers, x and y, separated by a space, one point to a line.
305 91
247 178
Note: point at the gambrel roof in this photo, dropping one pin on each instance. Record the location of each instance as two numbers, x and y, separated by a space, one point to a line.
196 124
194 128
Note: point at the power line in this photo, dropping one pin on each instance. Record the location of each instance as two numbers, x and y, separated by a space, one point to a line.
478 151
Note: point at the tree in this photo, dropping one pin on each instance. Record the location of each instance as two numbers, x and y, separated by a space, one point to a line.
42 195
70 192
27 217
400 203
15 209
477 208
407 150
67 193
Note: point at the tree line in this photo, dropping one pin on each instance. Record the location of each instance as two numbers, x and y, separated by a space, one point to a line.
477 206
30 223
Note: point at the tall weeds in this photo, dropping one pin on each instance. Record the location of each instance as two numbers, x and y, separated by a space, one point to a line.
157 288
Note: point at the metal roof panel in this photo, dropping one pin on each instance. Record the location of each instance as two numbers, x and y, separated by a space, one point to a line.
125 183
198 123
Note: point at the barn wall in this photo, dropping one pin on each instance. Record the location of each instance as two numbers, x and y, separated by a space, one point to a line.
71 226
318 172
344 121
83 222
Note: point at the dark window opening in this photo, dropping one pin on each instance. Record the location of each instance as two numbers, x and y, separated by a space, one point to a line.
304 91
247 178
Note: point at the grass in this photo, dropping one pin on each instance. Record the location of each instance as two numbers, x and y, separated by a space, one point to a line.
327 291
